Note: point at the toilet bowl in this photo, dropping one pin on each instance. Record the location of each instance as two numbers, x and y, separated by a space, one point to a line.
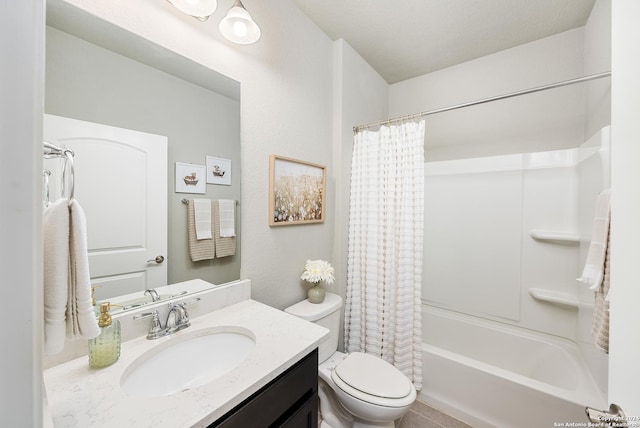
373 392
356 390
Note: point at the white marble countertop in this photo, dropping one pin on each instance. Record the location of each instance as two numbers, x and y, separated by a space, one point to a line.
79 396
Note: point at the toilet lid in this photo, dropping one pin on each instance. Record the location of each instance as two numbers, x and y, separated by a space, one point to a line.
373 376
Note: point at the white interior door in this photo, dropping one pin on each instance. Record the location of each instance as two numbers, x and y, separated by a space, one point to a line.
121 183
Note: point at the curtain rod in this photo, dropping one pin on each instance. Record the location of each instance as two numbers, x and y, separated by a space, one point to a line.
485 100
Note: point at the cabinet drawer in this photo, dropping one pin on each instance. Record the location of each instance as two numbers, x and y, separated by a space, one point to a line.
279 400
305 416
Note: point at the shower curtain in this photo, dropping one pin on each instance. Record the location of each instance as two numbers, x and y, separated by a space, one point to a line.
384 269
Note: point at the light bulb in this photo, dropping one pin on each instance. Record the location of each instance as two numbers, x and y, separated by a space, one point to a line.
238 26
240 29
200 9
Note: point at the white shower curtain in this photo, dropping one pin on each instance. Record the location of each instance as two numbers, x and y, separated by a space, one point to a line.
384 271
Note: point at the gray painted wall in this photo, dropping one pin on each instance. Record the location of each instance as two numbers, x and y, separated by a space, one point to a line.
87 82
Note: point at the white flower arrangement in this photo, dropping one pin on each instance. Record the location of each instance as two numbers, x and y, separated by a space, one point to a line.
318 270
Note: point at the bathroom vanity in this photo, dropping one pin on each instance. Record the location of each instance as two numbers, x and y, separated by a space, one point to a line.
276 383
291 400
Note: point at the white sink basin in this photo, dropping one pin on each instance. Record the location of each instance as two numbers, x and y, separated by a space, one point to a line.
186 361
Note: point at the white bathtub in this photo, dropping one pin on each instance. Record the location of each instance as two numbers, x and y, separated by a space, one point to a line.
489 374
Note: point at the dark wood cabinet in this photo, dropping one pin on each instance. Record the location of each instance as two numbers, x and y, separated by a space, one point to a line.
290 400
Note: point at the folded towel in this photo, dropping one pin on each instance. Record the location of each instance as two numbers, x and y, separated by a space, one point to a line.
81 319
67 291
596 270
600 322
198 250
55 274
593 272
227 210
225 245
202 211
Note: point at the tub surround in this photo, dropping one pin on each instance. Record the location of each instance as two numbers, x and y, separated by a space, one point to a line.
79 396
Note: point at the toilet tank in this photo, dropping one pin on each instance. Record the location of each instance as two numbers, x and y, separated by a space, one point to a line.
326 314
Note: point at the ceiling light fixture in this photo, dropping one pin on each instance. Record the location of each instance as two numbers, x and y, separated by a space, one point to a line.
199 9
238 26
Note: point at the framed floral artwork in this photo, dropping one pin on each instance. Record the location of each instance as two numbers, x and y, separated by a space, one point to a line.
297 192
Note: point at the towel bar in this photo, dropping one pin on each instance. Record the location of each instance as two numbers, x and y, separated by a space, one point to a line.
186 201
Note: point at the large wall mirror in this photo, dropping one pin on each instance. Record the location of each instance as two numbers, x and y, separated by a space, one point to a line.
99 73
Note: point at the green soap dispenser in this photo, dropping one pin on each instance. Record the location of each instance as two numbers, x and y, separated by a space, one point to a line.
104 350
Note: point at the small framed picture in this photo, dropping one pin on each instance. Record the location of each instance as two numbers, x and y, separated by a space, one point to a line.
296 192
218 171
190 178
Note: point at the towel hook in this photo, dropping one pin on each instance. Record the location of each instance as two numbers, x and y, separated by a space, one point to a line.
45 187
68 162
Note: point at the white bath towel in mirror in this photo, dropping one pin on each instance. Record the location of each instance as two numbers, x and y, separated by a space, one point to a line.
202 210
203 249
227 218
225 246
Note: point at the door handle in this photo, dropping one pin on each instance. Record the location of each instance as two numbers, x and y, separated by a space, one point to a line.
158 259
615 417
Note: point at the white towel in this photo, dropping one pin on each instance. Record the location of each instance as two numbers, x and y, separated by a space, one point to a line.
596 271
225 246
81 319
600 321
227 218
67 289
198 250
593 272
202 210
56 274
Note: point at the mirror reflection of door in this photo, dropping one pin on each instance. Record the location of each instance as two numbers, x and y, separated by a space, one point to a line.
121 184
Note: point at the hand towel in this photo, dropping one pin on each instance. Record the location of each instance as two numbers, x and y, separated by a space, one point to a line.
600 321
225 245
55 274
198 250
202 209
596 270
593 272
227 210
67 290
81 320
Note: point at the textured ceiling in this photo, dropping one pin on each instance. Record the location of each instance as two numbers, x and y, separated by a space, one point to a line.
402 39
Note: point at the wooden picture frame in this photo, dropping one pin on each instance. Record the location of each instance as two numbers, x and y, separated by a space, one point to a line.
297 191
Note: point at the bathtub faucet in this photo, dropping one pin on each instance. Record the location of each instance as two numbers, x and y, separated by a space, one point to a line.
615 417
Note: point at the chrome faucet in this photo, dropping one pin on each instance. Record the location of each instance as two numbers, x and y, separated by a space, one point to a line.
177 319
153 293
155 329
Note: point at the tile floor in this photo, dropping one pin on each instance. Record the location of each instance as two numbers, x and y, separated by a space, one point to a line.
421 415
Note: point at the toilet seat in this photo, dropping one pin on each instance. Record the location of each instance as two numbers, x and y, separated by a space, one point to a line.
373 380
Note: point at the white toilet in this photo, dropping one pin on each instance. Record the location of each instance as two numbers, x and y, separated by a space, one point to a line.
356 390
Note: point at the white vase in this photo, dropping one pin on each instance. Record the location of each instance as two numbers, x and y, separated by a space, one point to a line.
316 293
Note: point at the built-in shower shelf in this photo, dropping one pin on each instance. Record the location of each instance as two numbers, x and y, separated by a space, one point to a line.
555 237
554 297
